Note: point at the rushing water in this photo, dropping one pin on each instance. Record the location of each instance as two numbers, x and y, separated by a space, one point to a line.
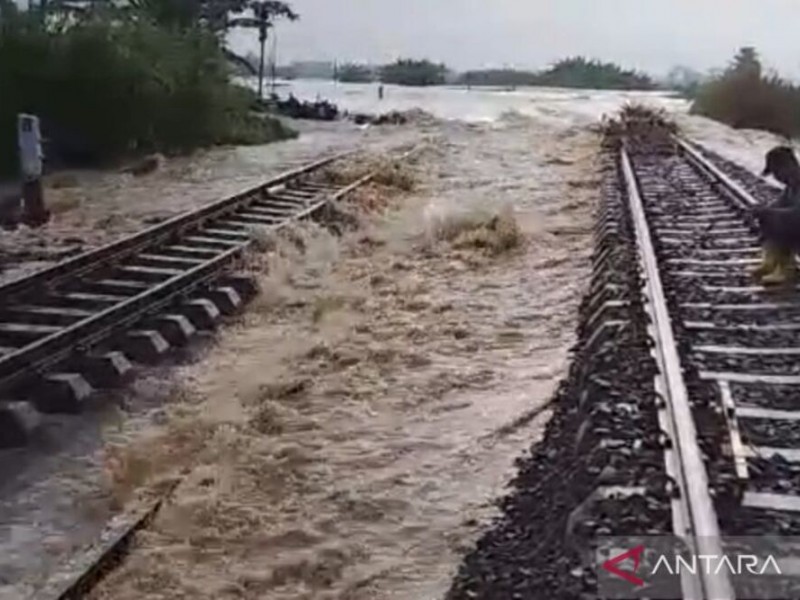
410 398
348 437
547 105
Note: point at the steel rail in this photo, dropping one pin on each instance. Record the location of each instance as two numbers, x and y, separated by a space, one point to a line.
77 578
732 188
703 533
35 358
118 250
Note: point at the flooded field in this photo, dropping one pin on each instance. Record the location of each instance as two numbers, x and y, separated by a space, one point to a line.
348 436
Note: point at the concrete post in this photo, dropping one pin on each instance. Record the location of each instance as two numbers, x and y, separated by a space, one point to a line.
29 137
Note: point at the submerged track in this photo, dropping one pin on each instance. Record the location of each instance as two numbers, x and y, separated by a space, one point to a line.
79 324
177 271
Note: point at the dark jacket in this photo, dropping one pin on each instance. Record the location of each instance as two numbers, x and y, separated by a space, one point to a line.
789 197
779 223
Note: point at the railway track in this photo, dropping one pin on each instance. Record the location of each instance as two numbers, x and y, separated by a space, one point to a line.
728 355
82 323
679 423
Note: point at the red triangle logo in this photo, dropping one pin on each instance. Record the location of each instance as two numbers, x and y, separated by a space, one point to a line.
630 576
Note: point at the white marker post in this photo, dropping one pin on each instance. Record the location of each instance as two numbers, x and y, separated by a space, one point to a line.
30 159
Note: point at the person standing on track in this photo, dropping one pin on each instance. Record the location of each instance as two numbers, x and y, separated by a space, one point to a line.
780 222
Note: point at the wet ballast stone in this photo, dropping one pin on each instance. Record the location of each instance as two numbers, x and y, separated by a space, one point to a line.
599 471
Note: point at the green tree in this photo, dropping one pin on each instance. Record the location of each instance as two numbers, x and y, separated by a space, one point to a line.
575 72
579 72
8 11
105 89
264 12
413 72
747 63
354 73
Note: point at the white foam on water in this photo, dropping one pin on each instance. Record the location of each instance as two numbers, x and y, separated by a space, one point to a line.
552 105
746 147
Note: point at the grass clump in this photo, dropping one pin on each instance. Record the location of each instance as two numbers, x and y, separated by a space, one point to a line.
385 172
395 176
494 233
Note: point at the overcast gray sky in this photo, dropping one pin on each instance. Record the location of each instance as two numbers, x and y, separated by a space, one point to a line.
648 34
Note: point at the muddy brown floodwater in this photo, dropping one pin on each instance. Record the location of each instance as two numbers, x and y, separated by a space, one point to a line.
90 208
348 436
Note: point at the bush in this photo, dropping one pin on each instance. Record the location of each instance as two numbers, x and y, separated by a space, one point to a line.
355 73
744 98
413 72
579 72
105 89
498 77
569 73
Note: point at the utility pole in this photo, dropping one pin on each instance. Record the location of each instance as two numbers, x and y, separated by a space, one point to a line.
262 39
274 62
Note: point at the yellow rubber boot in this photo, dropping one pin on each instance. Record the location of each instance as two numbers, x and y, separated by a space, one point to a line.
769 261
784 272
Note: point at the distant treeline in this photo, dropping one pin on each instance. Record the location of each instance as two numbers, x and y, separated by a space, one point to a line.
401 72
577 72
356 73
